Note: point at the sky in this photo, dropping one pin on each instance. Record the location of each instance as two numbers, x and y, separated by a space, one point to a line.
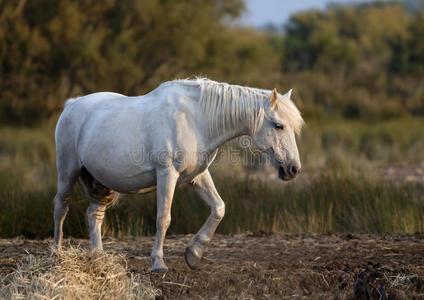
277 12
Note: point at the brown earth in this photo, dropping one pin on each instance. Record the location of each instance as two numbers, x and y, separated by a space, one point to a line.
270 266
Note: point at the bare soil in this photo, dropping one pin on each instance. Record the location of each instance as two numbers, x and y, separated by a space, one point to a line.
270 266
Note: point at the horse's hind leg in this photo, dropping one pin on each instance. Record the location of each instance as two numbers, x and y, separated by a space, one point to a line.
95 215
101 198
65 182
204 186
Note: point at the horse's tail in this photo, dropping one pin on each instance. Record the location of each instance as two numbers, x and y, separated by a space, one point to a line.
70 101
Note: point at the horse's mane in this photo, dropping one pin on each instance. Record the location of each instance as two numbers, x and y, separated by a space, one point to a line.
227 106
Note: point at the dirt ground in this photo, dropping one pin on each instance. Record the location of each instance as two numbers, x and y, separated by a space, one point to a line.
270 266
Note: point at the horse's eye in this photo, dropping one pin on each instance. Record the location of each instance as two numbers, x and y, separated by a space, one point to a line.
278 126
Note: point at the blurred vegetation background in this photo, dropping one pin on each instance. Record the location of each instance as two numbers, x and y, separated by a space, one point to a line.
358 76
364 61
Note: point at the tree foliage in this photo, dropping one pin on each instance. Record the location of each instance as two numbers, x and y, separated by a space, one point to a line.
357 61
363 61
51 50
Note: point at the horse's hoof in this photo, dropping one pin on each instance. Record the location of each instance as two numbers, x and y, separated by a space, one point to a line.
159 267
159 270
191 259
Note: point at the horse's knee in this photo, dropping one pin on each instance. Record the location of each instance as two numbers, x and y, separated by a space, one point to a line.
219 211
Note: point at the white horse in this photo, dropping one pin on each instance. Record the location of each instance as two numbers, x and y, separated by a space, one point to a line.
117 144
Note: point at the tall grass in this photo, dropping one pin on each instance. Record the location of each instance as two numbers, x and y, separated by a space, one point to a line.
355 143
332 202
343 195
329 203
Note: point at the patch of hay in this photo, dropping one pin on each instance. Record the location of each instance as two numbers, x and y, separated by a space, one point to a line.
75 274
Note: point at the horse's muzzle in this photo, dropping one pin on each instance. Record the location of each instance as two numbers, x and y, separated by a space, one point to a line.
288 173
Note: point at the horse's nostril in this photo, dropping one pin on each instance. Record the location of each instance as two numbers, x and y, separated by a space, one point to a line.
293 170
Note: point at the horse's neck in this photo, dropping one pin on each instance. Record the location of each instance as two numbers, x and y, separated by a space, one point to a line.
217 141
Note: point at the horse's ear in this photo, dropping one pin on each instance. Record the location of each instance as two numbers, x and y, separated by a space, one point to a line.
274 98
288 94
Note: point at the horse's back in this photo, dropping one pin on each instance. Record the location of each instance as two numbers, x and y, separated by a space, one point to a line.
94 96
91 101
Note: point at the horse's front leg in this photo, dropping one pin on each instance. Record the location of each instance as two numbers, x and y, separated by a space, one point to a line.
204 186
166 181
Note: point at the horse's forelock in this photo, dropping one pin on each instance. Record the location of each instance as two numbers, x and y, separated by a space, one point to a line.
291 114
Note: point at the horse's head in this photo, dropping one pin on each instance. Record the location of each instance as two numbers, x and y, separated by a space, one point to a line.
276 135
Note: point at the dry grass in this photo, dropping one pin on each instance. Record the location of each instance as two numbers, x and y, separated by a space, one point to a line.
401 280
75 274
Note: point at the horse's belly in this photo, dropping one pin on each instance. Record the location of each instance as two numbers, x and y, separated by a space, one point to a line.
140 184
144 190
113 161
117 180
